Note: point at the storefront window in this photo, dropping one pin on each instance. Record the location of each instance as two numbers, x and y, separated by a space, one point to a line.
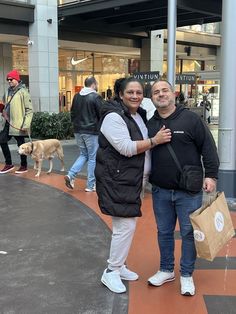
20 62
211 28
75 66
20 59
192 66
177 67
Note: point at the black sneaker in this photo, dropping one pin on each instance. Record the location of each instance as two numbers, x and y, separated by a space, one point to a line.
22 169
7 168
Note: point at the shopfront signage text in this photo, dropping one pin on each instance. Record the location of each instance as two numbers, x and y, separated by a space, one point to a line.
147 76
185 79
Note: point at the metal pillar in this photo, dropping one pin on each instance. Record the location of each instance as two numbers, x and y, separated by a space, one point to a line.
171 41
227 116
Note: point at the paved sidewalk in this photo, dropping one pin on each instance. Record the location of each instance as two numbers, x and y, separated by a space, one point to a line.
54 245
48 244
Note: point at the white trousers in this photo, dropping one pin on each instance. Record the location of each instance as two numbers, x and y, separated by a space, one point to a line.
122 235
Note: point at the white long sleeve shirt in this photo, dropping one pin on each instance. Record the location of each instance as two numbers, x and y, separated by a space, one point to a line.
116 132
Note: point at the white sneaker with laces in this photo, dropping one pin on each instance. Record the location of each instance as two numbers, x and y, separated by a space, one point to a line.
70 183
113 281
161 277
187 285
127 274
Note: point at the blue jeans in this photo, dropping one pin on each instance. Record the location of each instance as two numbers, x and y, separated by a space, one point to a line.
169 205
88 145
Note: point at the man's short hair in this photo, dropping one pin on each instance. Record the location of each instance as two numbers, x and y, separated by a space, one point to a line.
162 80
90 81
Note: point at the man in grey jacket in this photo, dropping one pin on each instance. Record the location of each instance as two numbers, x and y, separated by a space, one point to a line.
85 115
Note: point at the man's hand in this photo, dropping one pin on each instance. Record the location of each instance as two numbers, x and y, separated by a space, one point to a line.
4 114
162 136
209 185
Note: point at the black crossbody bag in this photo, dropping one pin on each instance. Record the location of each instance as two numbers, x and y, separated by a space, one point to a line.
191 177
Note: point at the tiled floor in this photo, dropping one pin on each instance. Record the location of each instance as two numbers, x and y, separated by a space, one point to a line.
215 281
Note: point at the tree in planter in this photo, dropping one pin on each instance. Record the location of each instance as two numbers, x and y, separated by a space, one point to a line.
56 125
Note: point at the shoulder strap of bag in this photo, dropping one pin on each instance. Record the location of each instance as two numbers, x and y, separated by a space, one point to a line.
172 152
17 89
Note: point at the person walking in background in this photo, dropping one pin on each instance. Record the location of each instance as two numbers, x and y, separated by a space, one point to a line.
18 114
108 93
120 166
181 100
191 142
85 115
205 103
147 103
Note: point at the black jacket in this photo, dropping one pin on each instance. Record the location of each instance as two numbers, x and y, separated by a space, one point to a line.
119 178
85 113
191 141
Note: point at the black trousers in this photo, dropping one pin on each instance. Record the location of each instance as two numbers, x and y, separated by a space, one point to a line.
7 154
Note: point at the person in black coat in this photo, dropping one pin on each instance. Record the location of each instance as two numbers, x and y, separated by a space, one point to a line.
193 146
120 166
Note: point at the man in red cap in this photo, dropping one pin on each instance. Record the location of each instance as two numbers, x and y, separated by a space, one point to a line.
18 113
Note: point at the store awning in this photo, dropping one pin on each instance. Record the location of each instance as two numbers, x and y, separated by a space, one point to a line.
133 18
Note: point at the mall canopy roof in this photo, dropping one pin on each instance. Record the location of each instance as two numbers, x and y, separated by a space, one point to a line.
131 18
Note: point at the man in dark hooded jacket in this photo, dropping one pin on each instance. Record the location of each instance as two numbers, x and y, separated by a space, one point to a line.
85 115
193 145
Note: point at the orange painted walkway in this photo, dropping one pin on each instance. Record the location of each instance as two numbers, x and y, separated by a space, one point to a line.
144 259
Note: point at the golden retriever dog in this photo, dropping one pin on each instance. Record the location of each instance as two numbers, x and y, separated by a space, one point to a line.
40 150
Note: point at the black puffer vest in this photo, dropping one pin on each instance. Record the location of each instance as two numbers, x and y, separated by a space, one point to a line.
119 178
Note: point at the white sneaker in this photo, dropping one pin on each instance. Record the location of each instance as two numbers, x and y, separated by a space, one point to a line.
127 274
161 277
112 281
70 183
90 190
187 285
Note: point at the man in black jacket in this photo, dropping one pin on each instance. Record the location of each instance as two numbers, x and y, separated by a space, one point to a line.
85 115
193 145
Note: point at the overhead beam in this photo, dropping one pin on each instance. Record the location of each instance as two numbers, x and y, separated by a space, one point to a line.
15 11
139 16
209 7
95 5
162 19
123 12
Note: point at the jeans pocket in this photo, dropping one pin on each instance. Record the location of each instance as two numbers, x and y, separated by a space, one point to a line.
155 189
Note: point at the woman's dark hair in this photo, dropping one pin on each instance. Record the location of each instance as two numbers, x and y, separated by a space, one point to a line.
117 86
127 81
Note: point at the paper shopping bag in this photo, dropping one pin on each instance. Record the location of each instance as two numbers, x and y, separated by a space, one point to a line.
213 227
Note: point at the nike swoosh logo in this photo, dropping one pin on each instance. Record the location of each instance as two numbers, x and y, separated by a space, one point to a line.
74 62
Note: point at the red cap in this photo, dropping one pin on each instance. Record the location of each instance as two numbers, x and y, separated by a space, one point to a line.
14 74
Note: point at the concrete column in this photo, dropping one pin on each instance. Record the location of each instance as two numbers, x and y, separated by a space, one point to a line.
5 66
152 52
171 41
227 115
43 57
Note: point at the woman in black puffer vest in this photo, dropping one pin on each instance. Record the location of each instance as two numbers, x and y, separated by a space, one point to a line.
119 172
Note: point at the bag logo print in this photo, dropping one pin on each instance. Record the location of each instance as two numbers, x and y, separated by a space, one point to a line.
199 235
219 221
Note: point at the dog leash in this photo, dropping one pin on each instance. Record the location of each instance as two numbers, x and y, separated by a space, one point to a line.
27 130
